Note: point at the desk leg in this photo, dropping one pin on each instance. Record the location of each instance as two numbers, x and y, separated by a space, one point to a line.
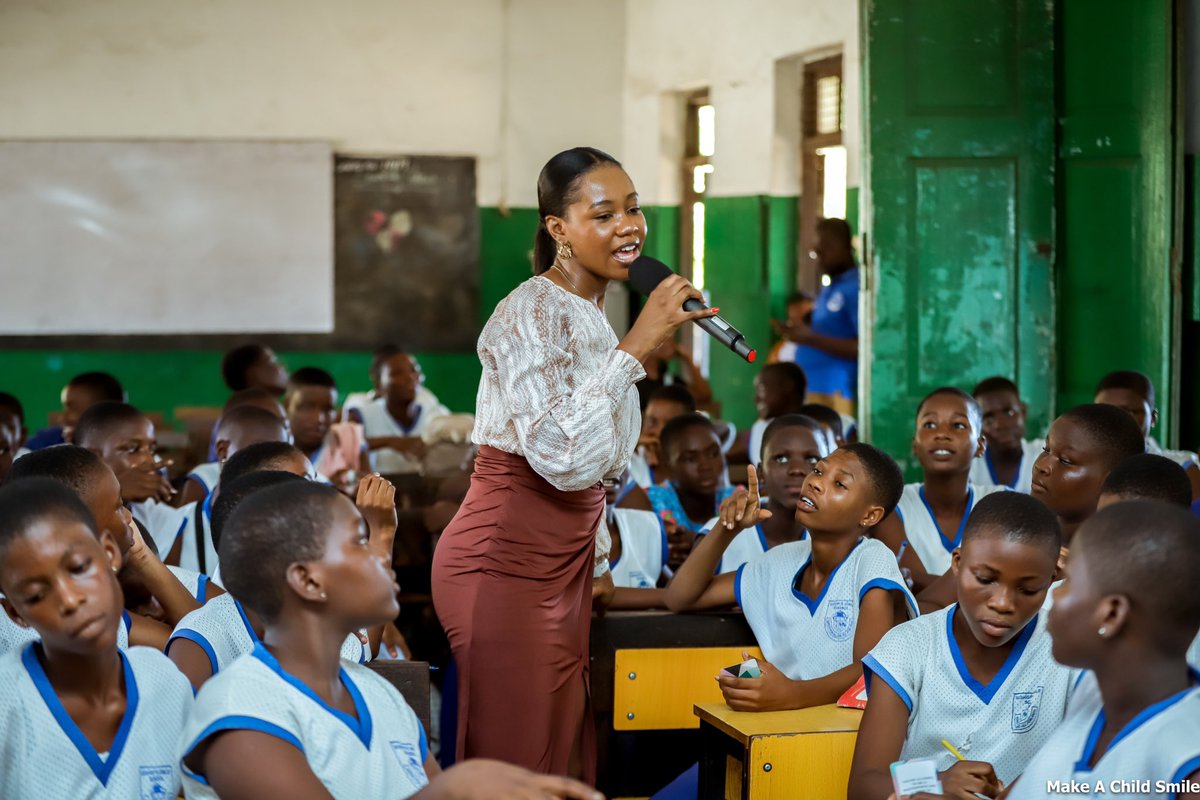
722 766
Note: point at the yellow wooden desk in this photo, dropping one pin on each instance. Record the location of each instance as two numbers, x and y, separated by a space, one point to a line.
776 755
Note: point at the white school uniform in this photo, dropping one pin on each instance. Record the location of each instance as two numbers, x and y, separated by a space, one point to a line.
14 637
220 628
808 637
165 522
1161 744
754 446
1003 723
207 475
198 523
983 474
921 529
378 422
746 546
1193 653
43 753
197 583
640 472
643 549
381 752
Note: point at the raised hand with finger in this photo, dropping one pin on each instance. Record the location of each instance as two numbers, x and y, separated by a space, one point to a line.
743 509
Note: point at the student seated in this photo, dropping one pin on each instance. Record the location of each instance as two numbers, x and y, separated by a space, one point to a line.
203 478
80 394
1008 459
817 605
977 674
239 428
254 366
1125 613
292 719
931 515
778 389
124 439
311 405
791 446
142 574
12 431
352 405
209 639
1134 392
831 422
693 494
637 557
665 404
395 423
1146 476
82 718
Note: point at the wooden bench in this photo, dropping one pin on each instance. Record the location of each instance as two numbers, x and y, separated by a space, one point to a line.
776 755
411 679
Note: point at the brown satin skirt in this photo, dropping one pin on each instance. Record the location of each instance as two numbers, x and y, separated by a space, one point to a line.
512 586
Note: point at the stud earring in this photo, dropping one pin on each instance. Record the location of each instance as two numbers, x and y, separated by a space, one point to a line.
323 596
1102 632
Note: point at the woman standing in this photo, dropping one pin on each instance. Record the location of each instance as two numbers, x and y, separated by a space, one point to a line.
557 412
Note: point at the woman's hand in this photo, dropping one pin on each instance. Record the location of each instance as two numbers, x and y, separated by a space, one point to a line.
662 315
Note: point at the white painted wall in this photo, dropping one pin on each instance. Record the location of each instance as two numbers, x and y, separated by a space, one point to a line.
503 80
508 81
749 55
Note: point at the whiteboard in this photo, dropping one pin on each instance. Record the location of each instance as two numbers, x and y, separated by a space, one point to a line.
161 237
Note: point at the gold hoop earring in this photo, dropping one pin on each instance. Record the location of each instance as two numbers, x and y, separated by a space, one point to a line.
564 251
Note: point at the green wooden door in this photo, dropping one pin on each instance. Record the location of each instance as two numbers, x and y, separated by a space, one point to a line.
960 134
1118 307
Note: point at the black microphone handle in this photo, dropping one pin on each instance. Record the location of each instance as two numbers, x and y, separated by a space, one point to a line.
720 330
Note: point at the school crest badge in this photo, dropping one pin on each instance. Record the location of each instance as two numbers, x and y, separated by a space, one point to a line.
156 782
410 759
639 580
839 620
837 301
1025 710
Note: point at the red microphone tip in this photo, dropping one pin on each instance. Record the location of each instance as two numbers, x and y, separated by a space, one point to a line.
753 355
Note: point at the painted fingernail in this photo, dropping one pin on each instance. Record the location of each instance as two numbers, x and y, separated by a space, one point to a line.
716 310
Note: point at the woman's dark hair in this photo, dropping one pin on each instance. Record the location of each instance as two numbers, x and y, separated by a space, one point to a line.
556 188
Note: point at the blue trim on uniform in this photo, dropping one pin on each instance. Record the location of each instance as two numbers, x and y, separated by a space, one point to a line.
762 537
813 604
361 727
737 586
101 768
182 525
238 722
946 543
200 641
1148 713
986 693
423 742
206 507
871 666
625 490
202 588
362 650
127 621
1189 766
890 585
666 550
987 461
197 777
245 620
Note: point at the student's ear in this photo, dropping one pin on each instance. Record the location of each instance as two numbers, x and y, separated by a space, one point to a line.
1024 409
12 612
111 551
222 450
557 227
1153 418
1111 615
955 560
982 445
306 582
872 517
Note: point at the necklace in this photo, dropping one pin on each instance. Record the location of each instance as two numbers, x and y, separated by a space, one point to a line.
567 277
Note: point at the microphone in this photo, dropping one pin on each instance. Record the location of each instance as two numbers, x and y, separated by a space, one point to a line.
646 273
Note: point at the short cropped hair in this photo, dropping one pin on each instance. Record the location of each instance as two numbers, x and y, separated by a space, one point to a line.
25 503
674 430
786 422
1111 429
883 473
974 415
101 384
233 493
99 421
675 393
792 374
1016 517
248 417
75 467
838 228
997 383
381 355
237 363
272 529
251 395
1134 381
256 458
311 376
1151 553
1147 476
826 416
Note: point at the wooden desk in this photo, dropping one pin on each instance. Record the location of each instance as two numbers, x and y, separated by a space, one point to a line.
776 755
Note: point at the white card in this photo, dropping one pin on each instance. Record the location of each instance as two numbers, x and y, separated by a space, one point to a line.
918 775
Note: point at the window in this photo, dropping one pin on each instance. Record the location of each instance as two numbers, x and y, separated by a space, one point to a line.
822 158
699 146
